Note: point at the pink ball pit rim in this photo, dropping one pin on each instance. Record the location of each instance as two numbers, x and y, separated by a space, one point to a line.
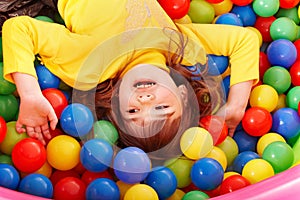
283 185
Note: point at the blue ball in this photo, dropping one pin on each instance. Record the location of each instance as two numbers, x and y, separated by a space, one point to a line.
246 14
9 176
245 141
282 52
102 189
241 159
226 85
217 65
46 79
76 120
132 165
163 181
96 155
36 184
229 19
286 122
207 174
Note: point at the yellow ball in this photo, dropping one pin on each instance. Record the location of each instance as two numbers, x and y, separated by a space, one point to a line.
196 142
230 173
141 191
219 155
177 195
264 96
281 102
123 187
222 7
45 170
63 152
230 148
257 170
267 139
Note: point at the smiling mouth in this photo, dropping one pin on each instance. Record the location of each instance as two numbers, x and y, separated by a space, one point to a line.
144 84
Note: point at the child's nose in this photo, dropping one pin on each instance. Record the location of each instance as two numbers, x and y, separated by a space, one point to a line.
144 98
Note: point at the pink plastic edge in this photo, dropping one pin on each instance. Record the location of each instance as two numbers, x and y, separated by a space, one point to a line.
283 185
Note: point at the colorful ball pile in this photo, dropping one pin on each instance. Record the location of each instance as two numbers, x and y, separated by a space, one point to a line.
212 163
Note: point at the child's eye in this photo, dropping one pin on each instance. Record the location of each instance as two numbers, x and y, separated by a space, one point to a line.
133 110
160 107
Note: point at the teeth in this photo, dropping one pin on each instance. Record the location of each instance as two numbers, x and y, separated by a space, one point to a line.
144 85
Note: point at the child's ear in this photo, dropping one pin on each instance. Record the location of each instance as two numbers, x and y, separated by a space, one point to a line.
184 94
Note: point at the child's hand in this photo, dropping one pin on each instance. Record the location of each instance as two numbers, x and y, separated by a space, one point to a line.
35 113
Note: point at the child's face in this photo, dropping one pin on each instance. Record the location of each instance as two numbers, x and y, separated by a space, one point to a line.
149 93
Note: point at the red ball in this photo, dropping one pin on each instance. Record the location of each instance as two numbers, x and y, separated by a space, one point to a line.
297 45
241 2
3 129
257 121
89 176
262 24
264 64
29 155
214 1
58 175
57 99
176 9
287 4
69 188
295 73
216 126
233 183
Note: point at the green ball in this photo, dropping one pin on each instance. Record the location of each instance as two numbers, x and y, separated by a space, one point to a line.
9 107
284 28
291 13
293 97
280 155
104 129
279 78
5 86
265 8
6 159
195 194
44 18
201 12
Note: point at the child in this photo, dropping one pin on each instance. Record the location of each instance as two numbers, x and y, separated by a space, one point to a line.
103 41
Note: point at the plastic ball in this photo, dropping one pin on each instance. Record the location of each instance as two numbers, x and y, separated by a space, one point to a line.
295 73
9 107
279 78
177 195
242 2
241 160
219 155
69 188
280 155
6 87
284 28
293 97
257 121
28 155
229 19
264 96
257 170
264 64
226 85
196 194
9 176
76 120
230 148
288 3
44 18
216 126
229 173
123 187
63 152
245 141
46 170
58 175
102 189
222 7
217 64
96 155
181 167
57 100
46 79
104 129
289 13
3 129
141 191
163 181
89 176
176 9
201 12
11 139
5 159
286 122
214 1
245 14
37 185
207 174
233 183
263 25
267 139
131 165
265 8
282 52
196 142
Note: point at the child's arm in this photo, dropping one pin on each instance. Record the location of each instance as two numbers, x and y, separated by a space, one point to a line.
35 110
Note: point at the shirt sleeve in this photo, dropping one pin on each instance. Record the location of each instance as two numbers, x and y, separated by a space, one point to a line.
240 44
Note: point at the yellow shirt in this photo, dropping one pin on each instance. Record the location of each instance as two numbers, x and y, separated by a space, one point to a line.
103 37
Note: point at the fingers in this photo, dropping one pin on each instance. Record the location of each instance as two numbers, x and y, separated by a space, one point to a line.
20 128
52 119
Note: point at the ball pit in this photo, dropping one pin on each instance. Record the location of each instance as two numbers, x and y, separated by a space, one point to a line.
261 161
